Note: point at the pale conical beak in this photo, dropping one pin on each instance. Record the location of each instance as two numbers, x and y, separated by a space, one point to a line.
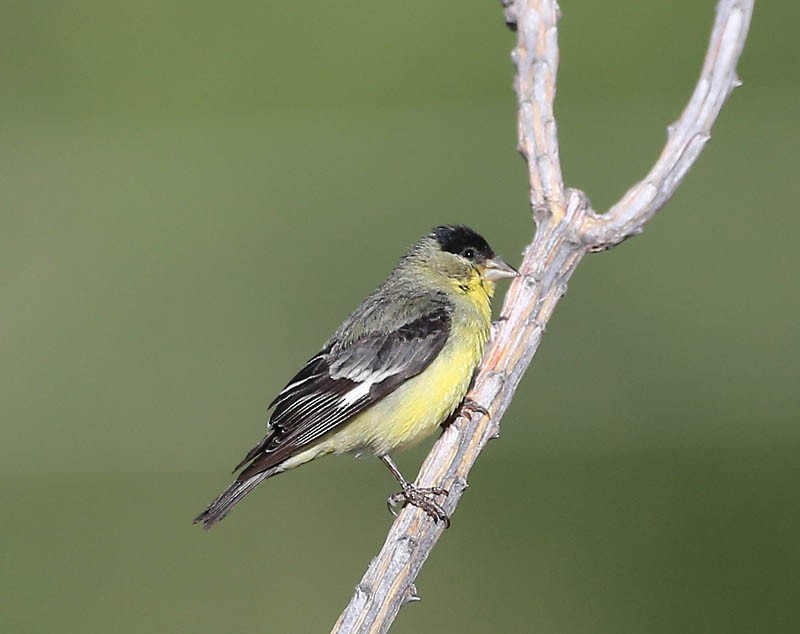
496 269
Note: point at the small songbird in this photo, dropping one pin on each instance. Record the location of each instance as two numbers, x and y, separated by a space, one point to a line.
394 371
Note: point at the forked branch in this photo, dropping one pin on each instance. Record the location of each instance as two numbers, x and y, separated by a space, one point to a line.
566 229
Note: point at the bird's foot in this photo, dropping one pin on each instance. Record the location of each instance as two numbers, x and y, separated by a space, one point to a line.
471 407
468 409
421 498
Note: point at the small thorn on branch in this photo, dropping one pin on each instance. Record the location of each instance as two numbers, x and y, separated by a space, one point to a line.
510 14
411 594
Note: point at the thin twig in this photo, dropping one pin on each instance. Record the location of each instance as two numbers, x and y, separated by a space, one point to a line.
687 136
566 230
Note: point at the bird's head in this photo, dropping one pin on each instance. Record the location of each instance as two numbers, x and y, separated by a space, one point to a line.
463 257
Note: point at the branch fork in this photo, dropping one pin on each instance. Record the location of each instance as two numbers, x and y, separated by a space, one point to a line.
567 228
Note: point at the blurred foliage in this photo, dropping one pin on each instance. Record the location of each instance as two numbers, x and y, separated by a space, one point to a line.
195 194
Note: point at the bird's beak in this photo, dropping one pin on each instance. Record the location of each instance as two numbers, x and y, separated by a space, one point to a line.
496 269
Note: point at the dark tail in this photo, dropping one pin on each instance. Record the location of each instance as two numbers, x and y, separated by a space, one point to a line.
231 496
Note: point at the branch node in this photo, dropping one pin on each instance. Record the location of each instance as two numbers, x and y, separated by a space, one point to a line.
510 14
408 542
498 376
531 278
547 211
671 129
536 323
495 328
411 594
459 484
363 592
540 211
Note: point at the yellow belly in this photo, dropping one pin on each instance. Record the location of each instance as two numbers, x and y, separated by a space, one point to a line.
413 411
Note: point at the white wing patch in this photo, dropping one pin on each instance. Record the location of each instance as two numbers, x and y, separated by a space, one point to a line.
363 388
365 378
340 382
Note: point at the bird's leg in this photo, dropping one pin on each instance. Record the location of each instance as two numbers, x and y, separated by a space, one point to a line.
411 494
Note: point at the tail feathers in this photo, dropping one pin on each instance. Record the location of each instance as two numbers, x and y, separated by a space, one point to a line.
231 496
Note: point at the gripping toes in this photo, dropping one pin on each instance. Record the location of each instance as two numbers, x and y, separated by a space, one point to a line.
422 498
470 407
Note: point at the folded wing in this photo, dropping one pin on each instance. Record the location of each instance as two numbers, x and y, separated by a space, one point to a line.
340 382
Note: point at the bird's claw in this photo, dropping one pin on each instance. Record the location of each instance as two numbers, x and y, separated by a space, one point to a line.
422 498
472 407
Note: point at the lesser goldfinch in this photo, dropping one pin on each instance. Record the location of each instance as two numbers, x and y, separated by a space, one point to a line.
394 371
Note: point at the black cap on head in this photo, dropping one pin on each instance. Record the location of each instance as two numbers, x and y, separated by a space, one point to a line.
463 241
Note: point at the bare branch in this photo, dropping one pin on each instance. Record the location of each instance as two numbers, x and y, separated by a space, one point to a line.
566 230
536 59
687 136
529 304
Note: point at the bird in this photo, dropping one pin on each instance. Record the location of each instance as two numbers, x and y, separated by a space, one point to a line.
395 370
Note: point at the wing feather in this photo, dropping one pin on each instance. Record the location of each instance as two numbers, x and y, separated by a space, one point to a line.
340 382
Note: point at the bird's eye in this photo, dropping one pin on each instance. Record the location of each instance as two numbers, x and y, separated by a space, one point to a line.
468 253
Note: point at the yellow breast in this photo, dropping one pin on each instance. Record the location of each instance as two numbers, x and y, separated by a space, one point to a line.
420 405
417 408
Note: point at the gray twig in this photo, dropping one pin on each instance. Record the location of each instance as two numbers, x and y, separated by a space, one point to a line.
566 229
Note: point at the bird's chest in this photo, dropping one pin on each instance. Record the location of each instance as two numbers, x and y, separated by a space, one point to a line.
424 402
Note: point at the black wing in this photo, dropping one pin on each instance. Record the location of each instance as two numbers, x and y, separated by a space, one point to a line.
338 383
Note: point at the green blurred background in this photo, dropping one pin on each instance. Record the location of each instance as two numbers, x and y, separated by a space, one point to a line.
195 194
